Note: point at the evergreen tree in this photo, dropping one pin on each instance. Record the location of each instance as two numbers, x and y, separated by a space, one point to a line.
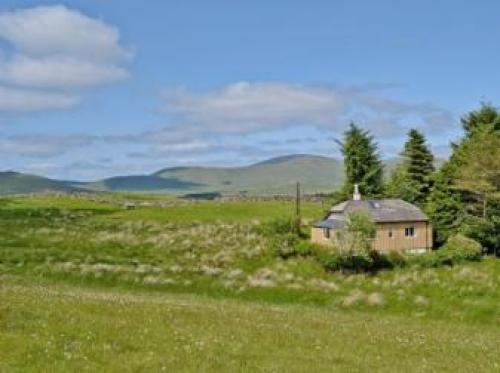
465 195
401 185
411 180
361 162
486 116
479 173
444 205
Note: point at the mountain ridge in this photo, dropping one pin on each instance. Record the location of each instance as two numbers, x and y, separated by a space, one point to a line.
276 175
12 182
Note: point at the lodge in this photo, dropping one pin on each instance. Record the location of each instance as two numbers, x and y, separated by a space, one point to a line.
401 226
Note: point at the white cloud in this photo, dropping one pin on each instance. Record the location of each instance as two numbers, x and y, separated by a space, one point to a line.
58 49
247 107
13 99
234 124
58 72
43 146
56 30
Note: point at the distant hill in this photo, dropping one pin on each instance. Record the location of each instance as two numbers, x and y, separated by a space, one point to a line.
273 176
18 183
276 175
141 183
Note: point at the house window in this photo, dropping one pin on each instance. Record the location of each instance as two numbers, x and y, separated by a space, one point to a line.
410 232
326 232
390 233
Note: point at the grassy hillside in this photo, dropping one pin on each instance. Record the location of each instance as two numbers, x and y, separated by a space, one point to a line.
142 183
274 176
217 249
277 175
87 285
17 183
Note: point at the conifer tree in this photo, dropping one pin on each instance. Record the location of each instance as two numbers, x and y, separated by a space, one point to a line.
487 117
466 189
445 205
361 162
411 180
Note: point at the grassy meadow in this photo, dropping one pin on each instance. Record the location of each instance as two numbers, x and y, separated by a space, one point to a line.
197 287
57 328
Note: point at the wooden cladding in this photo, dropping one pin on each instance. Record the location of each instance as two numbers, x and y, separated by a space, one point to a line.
401 236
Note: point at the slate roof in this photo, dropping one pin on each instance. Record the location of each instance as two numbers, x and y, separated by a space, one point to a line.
330 223
381 211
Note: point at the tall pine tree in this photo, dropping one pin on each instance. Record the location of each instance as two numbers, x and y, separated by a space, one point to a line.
445 206
411 180
362 163
465 193
486 118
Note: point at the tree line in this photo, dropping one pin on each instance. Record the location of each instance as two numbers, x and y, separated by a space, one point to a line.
461 196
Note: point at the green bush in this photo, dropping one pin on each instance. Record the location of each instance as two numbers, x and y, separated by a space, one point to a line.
346 262
396 258
290 245
459 248
382 260
356 262
372 261
284 245
355 239
430 260
281 226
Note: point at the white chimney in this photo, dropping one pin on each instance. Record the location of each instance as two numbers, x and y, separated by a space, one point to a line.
356 196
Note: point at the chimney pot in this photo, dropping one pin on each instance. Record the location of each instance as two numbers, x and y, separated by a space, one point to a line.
356 195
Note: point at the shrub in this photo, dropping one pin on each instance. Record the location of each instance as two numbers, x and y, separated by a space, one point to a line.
290 245
380 261
306 248
284 239
459 248
284 245
346 262
355 239
279 226
359 262
430 260
396 258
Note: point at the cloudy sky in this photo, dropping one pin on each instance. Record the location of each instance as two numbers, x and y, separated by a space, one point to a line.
95 88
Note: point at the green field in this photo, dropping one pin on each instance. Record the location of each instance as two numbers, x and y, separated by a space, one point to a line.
87 285
60 328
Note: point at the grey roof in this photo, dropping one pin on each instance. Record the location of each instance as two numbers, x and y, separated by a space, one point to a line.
382 210
330 223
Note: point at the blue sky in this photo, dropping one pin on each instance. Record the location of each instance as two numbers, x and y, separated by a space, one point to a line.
94 88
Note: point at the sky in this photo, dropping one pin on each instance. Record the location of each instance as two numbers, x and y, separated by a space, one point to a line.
98 88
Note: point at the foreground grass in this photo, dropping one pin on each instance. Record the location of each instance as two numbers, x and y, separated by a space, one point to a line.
60 328
213 249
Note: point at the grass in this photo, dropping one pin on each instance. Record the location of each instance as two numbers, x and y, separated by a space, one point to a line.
210 212
74 329
100 287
